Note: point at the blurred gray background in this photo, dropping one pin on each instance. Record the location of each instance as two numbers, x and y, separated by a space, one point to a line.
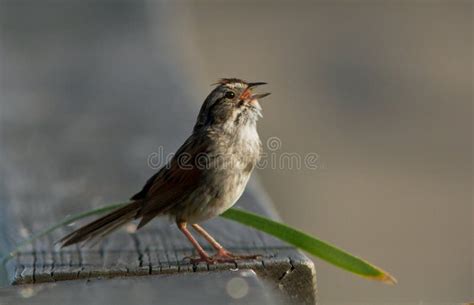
381 91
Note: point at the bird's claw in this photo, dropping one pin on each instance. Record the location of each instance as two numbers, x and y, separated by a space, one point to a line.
226 255
223 256
200 259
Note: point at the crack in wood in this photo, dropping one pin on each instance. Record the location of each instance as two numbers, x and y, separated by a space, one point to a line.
136 242
150 266
287 272
34 267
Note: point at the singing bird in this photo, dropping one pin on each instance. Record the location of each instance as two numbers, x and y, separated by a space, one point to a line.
206 176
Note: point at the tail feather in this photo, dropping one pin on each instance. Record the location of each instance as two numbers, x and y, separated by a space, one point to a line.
97 236
104 225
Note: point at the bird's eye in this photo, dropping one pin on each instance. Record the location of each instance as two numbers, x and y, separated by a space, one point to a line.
229 95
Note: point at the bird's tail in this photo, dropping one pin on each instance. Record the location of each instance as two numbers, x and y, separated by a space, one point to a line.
104 225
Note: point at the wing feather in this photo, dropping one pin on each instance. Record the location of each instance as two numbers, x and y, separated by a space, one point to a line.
174 182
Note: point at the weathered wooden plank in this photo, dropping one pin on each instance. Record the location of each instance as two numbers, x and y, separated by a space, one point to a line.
160 249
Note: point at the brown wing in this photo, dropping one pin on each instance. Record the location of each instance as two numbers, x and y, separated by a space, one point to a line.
176 180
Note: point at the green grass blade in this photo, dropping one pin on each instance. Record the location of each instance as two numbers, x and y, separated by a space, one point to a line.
310 244
292 236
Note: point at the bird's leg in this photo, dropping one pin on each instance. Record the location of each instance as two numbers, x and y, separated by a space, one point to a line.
222 255
217 246
203 256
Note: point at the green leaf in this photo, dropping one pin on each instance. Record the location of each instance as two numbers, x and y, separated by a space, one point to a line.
290 235
310 244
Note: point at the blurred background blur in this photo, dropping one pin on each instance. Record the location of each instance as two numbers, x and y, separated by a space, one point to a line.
381 91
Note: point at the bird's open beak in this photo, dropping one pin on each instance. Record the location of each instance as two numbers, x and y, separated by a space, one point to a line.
259 95
253 98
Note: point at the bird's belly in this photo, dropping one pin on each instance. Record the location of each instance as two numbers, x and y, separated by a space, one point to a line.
235 189
214 198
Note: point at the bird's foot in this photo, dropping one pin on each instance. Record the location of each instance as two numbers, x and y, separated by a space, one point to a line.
226 256
211 259
222 256
200 259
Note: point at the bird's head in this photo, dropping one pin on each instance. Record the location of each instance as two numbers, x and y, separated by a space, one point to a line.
231 102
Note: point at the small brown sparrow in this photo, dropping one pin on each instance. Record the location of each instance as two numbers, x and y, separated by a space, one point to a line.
206 176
